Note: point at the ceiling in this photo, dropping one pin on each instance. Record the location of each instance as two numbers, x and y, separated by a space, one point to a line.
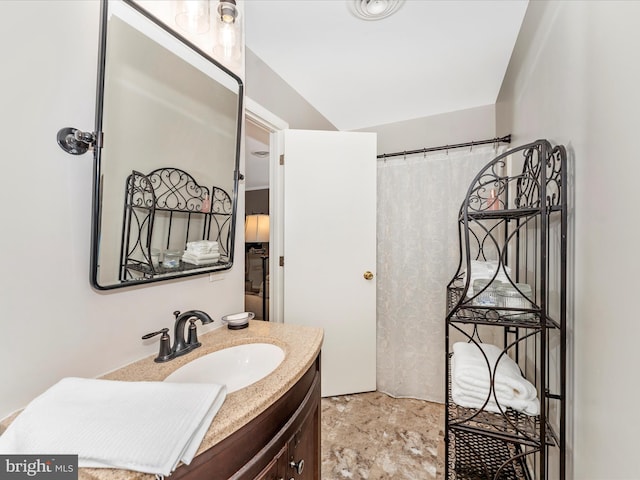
430 57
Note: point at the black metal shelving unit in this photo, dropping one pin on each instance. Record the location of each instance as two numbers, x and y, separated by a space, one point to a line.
514 215
165 209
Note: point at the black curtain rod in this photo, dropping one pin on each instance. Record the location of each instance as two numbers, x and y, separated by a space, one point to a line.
505 139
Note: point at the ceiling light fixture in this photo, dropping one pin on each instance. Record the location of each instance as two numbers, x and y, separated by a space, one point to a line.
374 9
261 153
227 11
192 15
228 32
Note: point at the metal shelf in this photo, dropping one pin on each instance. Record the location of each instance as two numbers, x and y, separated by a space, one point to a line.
512 223
466 312
149 271
477 457
511 426
167 208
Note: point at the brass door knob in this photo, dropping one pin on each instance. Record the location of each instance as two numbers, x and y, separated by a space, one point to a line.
368 275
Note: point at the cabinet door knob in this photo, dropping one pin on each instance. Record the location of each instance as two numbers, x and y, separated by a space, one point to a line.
368 275
298 467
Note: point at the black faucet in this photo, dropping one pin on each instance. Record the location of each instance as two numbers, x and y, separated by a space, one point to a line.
180 347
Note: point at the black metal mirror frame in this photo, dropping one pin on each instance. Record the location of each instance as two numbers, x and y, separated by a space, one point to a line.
97 155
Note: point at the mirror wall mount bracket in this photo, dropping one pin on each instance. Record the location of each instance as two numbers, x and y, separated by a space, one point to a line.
77 142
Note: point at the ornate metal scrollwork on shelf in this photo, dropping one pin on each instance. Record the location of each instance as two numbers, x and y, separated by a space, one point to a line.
169 205
555 160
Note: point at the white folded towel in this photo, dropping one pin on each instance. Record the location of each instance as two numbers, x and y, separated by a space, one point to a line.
202 244
203 251
202 247
143 426
471 380
201 256
200 259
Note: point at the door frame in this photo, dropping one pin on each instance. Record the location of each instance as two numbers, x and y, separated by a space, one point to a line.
262 117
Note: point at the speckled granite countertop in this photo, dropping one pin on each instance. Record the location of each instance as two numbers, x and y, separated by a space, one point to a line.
301 346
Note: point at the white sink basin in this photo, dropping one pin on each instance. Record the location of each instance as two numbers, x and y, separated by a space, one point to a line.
236 367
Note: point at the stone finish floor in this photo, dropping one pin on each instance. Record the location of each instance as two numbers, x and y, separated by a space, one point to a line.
374 436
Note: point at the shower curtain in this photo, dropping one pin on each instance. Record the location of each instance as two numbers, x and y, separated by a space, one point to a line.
418 201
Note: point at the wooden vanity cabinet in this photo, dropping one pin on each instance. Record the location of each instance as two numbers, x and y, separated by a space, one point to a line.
304 449
272 445
277 468
299 459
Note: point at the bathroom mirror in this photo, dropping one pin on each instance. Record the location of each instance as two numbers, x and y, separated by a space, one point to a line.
168 121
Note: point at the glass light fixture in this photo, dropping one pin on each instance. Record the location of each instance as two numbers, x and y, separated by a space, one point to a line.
227 11
192 15
228 35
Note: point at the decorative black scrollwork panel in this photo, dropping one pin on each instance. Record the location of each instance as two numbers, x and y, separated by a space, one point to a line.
554 175
167 214
519 179
139 213
176 190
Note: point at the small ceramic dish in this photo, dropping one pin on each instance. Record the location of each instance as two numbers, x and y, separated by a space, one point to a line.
237 321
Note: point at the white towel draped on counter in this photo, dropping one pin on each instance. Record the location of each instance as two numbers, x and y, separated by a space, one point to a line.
143 426
470 380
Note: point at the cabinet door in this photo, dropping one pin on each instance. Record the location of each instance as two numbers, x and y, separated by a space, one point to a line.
304 449
277 467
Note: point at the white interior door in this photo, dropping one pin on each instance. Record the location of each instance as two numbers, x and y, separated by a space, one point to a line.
329 245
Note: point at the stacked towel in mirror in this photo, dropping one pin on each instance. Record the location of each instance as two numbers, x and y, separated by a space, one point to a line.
475 366
143 426
491 270
202 252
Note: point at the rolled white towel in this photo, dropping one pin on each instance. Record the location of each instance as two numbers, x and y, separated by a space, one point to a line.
466 399
471 379
472 372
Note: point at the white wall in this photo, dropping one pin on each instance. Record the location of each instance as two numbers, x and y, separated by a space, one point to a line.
53 324
270 91
445 129
573 78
